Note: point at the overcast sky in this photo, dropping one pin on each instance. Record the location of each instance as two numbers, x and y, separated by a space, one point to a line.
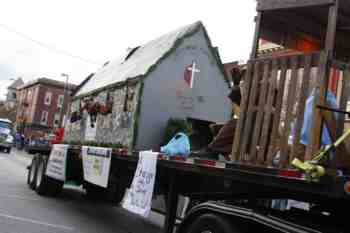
41 38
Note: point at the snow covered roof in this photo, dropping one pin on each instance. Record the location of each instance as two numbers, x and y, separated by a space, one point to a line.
137 62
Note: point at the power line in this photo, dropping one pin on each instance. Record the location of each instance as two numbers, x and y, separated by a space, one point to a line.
47 46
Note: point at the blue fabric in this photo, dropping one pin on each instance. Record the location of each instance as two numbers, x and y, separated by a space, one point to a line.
178 145
326 138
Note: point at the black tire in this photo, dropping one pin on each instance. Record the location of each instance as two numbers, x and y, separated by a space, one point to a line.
94 192
211 223
116 188
45 185
7 150
31 175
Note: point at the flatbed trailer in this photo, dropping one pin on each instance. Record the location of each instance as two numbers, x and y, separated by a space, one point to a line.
236 196
225 191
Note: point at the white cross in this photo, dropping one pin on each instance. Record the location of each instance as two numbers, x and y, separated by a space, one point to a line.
194 70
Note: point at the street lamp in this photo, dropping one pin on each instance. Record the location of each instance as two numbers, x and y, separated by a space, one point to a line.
64 97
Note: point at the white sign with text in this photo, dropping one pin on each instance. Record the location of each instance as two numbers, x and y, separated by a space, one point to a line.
96 165
56 167
138 198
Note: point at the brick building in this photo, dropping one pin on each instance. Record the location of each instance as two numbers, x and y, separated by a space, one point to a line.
42 106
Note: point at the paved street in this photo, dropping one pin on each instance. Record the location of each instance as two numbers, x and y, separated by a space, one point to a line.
23 211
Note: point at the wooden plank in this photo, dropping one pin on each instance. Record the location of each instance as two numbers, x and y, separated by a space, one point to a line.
265 134
332 28
289 111
345 90
256 38
301 106
250 113
278 108
243 108
260 114
319 99
301 64
264 5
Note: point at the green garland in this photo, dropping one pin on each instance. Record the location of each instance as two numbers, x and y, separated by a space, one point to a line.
137 115
94 143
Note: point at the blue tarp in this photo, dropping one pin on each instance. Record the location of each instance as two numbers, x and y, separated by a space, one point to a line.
326 139
178 145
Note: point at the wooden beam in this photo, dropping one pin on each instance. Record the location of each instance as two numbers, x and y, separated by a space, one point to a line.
319 99
265 5
331 28
256 36
345 89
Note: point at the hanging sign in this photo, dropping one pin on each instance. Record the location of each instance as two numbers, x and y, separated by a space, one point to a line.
56 167
138 198
96 165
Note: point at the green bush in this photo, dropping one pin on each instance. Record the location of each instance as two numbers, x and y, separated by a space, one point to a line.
174 126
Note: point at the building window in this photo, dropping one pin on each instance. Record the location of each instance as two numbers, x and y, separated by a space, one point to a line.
60 101
56 120
48 97
44 116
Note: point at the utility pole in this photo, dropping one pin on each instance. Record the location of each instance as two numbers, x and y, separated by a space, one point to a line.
64 98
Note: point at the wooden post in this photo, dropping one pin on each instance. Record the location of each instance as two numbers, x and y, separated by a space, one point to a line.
332 28
255 47
319 99
345 89
321 89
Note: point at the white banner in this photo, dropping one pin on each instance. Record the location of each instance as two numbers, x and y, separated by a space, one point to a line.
96 164
90 132
138 198
56 167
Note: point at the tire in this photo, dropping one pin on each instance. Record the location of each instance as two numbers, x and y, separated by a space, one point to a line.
114 193
211 223
31 175
45 185
7 150
94 192
116 188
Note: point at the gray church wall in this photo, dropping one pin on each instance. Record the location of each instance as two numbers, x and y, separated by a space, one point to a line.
167 95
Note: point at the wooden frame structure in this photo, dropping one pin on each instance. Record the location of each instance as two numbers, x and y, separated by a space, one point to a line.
277 88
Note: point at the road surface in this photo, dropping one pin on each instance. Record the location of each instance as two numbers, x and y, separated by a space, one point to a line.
23 211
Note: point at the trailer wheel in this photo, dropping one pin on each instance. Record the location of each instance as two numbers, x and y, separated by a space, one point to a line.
94 192
211 223
116 188
44 184
31 175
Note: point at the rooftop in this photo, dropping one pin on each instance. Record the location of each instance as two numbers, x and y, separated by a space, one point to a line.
50 82
137 62
17 83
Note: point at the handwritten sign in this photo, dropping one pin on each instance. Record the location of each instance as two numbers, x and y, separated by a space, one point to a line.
96 165
56 167
138 198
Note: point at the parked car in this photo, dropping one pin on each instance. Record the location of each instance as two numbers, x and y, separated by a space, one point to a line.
6 137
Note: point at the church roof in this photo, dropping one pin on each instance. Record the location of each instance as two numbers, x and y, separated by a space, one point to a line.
138 62
18 82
